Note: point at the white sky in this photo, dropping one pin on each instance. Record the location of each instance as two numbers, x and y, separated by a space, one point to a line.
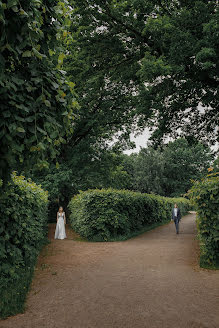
142 139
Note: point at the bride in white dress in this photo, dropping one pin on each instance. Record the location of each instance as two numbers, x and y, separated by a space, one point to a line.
60 225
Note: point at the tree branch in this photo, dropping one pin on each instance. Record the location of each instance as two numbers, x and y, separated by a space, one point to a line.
164 9
131 29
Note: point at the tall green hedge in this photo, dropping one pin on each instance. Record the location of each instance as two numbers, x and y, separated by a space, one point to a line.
103 215
205 196
23 231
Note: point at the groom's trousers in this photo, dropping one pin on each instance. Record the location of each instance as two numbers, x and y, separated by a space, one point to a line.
176 221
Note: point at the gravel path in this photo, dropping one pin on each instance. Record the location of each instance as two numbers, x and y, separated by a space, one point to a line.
149 281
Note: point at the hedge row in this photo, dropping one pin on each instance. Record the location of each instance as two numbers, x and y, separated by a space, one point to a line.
103 215
205 196
23 231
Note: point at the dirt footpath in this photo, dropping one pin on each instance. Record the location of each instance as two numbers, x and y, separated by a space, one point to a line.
150 281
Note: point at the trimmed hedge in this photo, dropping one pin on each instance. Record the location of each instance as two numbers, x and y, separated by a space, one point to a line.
205 196
23 231
103 215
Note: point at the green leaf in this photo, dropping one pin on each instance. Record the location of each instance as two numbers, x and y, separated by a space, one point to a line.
61 58
41 130
15 9
30 119
19 129
11 3
47 103
71 84
6 113
53 135
17 80
51 52
55 85
27 53
23 12
38 54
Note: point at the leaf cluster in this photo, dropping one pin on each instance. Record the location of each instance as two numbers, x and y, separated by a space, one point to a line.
37 99
168 171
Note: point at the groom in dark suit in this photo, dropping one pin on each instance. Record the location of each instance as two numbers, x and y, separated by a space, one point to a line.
176 216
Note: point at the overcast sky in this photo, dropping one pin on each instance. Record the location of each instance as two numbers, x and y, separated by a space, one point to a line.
142 139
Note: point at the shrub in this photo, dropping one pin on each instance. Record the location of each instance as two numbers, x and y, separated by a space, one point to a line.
103 215
205 196
23 230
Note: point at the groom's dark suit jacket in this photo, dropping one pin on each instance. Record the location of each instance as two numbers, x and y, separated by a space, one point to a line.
178 214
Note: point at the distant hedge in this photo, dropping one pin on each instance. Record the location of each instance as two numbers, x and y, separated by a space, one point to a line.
23 231
103 215
205 196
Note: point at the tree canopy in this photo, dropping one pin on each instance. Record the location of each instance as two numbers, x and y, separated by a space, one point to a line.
75 74
154 62
169 171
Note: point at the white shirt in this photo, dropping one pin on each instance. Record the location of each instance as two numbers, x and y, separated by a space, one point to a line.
175 211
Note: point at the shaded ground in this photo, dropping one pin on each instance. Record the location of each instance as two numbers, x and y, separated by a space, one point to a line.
149 281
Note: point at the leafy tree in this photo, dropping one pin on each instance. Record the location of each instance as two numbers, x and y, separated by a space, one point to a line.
184 163
168 171
182 74
106 106
149 173
152 59
37 100
83 167
129 163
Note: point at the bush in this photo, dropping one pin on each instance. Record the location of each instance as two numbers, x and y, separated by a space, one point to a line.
23 230
103 215
205 196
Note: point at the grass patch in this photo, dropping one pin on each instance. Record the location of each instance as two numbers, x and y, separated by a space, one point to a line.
80 239
54 273
44 266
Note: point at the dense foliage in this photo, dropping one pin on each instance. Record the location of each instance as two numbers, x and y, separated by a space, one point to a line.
102 215
169 171
90 168
23 231
147 61
205 196
37 99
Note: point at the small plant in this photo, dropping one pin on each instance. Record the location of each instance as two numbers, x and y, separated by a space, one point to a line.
44 266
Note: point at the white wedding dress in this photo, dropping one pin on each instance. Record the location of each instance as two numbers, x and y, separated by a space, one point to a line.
60 227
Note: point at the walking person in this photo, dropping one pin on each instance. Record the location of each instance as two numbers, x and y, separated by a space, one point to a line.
176 216
60 225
